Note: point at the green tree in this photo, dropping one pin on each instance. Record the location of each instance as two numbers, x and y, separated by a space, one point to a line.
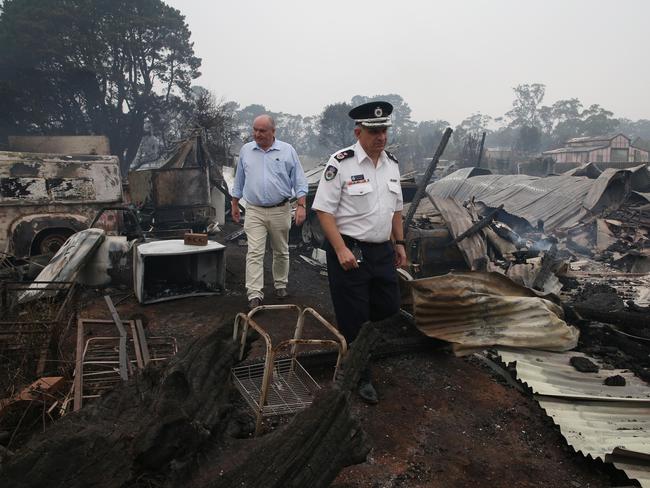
598 121
526 106
92 67
336 127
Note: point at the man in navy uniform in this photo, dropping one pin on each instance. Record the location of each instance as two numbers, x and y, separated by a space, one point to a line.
359 205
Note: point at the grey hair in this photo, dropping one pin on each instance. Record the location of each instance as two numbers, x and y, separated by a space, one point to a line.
270 119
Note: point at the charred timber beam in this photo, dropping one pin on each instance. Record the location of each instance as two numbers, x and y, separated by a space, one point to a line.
629 321
481 224
419 193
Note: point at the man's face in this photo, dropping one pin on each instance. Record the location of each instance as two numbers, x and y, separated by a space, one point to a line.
372 139
263 132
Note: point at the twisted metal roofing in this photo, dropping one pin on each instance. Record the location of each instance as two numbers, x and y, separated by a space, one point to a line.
558 200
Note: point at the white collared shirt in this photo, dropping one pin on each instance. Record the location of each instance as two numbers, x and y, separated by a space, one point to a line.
361 197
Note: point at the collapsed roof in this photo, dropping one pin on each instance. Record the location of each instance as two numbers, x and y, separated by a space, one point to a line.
559 201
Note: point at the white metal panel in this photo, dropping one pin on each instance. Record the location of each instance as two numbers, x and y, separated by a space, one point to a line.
550 373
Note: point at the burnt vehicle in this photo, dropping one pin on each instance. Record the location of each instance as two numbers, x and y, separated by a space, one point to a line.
45 198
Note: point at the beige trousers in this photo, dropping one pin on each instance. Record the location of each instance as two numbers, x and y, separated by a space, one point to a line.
259 222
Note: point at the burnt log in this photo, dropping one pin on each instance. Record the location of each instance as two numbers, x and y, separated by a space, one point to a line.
318 442
150 430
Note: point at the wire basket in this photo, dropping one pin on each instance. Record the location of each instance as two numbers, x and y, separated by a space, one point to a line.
279 386
291 388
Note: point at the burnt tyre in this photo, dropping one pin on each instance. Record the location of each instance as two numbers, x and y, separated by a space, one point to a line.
49 242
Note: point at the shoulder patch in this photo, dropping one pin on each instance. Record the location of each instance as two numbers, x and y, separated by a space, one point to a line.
391 156
330 173
340 156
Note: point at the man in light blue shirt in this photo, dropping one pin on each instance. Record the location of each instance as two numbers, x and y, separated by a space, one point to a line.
268 175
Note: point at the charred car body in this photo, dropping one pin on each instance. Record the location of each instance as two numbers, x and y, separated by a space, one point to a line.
45 198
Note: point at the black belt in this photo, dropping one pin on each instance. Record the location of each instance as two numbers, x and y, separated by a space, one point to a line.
276 205
351 241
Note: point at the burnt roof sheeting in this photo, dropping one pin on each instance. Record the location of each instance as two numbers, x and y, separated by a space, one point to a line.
551 373
559 201
596 428
476 310
634 468
603 422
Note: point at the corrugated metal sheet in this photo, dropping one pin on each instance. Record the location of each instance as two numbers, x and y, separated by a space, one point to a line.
596 428
635 469
475 310
603 422
551 373
559 201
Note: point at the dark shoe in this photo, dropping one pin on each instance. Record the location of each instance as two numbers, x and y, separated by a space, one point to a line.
281 293
254 302
368 393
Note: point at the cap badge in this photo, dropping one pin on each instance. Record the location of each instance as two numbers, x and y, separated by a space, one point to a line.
378 112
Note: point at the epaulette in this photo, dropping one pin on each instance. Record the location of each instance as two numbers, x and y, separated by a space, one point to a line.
391 156
340 156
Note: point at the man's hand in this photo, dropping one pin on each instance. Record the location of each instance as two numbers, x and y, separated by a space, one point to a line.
234 211
347 260
400 256
300 216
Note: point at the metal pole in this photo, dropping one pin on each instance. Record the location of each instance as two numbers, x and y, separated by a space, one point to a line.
419 193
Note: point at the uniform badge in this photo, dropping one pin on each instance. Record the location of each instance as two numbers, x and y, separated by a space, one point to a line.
379 112
356 177
330 172
348 153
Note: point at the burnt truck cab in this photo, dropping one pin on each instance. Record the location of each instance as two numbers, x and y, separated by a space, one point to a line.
45 198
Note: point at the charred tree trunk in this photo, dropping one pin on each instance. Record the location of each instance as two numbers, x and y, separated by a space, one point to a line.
318 442
162 419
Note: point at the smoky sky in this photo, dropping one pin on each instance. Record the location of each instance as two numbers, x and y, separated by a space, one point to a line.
447 60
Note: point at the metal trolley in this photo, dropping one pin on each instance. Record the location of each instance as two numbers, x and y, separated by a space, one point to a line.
280 385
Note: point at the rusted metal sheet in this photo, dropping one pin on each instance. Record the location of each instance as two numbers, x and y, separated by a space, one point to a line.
458 220
180 187
475 310
174 196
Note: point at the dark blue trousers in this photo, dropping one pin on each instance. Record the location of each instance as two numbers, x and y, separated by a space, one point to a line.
369 292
